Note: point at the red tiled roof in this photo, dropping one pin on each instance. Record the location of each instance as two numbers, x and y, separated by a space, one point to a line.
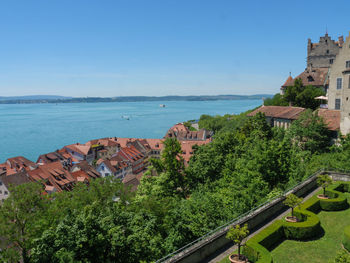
282 112
331 118
311 76
79 148
289 82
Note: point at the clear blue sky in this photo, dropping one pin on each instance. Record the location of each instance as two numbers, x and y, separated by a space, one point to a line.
148 47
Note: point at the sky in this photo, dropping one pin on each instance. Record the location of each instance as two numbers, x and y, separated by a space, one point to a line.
111 48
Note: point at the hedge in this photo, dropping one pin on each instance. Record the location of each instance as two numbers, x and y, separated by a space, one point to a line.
257 249
346 238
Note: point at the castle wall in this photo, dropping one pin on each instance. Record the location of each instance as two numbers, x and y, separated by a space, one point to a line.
322 54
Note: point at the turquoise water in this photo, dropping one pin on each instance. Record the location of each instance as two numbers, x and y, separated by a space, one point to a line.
33 129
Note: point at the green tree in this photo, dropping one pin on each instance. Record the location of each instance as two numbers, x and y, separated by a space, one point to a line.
309 133
292 201
170 178
276 100
324 180
237 234
22 218
301 96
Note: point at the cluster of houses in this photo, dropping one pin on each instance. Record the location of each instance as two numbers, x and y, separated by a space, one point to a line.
123 158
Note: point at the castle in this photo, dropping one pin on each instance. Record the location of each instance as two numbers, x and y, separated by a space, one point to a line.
320 57
328 67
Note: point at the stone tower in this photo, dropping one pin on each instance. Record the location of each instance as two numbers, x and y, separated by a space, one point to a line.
323 53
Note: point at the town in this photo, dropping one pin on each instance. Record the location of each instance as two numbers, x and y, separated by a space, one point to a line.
123 158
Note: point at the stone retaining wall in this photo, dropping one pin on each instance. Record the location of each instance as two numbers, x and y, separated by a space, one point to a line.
203 249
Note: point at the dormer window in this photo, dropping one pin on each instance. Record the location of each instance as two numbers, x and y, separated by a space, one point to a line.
310 79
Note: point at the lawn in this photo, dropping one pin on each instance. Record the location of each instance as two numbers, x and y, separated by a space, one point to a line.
319 250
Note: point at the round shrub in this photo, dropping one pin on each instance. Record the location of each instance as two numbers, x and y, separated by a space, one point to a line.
309 228
337 201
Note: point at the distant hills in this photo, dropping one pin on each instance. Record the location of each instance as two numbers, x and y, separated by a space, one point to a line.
62 99
34 97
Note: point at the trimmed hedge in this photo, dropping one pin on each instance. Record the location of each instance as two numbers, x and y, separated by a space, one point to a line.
346 238
257 249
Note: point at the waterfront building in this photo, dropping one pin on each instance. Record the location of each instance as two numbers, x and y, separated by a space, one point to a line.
81 152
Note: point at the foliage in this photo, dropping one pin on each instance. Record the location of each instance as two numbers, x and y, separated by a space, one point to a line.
301 96
342 257
22 218
298 96
170 179
324 180
276 100
309 133
292 201
237 234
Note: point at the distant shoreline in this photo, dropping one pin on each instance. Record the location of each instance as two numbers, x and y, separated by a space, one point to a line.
41 99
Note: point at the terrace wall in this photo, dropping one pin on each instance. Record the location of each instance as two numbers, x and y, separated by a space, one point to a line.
201 249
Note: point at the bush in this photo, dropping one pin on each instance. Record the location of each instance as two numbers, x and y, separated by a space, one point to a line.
346 238
309 228
337 200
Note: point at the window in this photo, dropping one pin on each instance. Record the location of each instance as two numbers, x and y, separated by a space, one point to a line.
339 83
331 61
337 104
347 64
327 51
6 193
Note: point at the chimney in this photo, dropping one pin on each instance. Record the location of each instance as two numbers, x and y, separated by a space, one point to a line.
341 41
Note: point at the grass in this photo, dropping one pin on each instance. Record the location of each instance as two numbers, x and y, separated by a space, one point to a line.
319 250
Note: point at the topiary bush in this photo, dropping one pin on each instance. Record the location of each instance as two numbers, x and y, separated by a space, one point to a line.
258 248
338 200
346 238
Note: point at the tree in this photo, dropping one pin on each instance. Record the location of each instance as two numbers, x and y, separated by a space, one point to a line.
309 133
276 100
169 171
237 234
292 201
301 96
324 180
22 218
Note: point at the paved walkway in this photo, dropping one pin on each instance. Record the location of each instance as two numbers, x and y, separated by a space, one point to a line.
220 255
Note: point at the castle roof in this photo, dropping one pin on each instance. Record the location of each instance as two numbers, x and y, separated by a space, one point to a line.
316 77
289 82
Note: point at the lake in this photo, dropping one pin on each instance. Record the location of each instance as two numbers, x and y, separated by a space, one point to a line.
33 129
